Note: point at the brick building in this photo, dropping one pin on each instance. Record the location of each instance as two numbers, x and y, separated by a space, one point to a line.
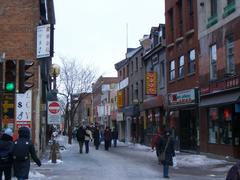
219 67
18 40
182 71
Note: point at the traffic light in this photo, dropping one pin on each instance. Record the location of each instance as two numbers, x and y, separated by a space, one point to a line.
25 75
10 76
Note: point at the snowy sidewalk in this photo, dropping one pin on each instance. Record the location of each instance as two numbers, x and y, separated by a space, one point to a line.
120 160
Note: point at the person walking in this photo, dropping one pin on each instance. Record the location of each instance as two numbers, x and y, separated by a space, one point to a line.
81 137
96 137
166 151
155 141
22 150
107 138
88 137
115 136
234 172
6 149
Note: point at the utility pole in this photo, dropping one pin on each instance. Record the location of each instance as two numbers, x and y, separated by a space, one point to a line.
2 58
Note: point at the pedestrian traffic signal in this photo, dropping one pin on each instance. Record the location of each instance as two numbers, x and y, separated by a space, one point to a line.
25 75
10 76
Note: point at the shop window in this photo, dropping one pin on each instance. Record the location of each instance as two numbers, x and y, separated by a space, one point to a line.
220 125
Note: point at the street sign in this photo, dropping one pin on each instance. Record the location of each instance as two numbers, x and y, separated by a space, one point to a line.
24 109
54 115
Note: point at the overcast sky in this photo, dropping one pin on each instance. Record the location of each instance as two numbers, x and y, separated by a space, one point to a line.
95 31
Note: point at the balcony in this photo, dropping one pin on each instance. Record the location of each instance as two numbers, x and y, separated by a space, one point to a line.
229 9
212 20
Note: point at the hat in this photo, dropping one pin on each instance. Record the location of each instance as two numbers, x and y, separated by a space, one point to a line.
8 131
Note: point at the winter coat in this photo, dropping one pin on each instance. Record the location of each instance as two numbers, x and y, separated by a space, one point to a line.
170 152
21 168
6 145
107 135
96 137
115 134
234 172
88 135
81 134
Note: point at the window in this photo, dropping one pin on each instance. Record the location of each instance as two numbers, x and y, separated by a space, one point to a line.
191 62
213 7
132 67
162 74
213 62
230 55
180 9
142 89
132 94
181 66
136 90
220 125
172 70
136 63
190 6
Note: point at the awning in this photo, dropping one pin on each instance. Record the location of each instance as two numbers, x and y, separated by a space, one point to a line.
157 101
218 99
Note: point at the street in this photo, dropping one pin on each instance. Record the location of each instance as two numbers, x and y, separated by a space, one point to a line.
125 162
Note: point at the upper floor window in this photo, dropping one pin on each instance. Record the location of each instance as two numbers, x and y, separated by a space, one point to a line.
172 70
132 67
136 63
162 74
181 66
213 7
127 70
192 61
213 62
230 55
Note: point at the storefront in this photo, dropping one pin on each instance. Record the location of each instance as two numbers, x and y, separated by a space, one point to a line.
220 123
183 119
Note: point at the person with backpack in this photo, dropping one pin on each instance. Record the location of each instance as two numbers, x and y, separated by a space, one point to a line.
22 150
6 149
81 137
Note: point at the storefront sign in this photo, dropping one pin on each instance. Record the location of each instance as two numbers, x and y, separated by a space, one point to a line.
151 83
119 116
120 99
182 97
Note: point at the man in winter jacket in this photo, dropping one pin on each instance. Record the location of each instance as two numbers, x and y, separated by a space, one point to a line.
166 146
6 149
87 138
81 137
234 172
23 149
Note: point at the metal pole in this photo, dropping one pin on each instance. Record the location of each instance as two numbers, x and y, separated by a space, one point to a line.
2 58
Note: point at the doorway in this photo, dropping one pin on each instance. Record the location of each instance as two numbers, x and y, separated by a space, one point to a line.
188 129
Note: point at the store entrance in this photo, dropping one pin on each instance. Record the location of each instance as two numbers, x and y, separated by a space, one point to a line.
188 129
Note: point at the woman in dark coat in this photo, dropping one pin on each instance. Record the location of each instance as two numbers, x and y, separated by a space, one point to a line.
166 143
107 138
6 148
96 137
23 144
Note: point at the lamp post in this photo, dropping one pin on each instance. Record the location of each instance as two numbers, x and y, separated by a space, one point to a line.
54 72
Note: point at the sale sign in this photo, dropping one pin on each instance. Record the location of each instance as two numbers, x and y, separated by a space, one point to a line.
54 115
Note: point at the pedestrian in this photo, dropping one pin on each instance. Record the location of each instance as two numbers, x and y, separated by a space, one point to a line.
96 137
6 149
166 151
88 137
22 150
81 137
107 138
234 172
115 136
155 141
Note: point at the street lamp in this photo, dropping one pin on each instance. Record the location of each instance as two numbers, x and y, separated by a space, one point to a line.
54 72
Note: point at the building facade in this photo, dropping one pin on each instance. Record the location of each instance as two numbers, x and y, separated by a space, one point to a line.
18 41
219 67
182 71
154 105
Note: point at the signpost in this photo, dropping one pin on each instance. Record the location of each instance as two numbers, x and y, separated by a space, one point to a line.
54 115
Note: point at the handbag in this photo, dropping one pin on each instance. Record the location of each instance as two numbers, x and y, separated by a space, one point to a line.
162 155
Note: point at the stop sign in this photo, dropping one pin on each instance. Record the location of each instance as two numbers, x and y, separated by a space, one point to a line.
54 107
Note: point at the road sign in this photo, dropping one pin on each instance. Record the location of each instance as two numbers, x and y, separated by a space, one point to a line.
54 116
24 109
